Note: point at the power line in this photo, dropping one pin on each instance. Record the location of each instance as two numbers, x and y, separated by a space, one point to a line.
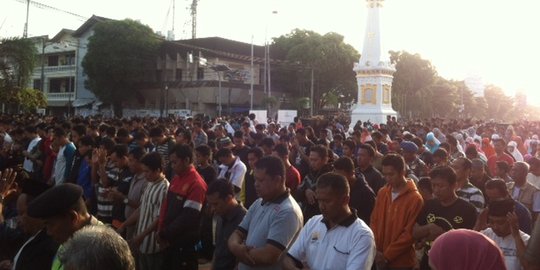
44 6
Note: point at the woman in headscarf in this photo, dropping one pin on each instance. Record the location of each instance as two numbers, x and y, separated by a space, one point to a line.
432 143
512 148
488 149
465 249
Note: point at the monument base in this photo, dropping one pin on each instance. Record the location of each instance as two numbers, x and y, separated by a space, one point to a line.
373 115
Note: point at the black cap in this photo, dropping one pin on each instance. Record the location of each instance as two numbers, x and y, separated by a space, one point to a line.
55 201
33 188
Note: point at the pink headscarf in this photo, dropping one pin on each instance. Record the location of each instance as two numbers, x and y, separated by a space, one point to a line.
465 250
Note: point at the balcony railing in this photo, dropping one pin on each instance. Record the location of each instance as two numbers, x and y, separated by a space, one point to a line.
61 96
56 68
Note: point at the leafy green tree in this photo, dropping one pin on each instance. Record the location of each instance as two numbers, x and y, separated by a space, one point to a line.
31 99
328 55
412 77
119 54
499 105
17 60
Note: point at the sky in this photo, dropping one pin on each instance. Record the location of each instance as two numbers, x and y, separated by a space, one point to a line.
492 39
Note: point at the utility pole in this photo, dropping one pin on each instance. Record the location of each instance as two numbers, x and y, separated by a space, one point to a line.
194 19
25 32
251 93
311 90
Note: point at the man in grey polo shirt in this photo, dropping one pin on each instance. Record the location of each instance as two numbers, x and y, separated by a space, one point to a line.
271 223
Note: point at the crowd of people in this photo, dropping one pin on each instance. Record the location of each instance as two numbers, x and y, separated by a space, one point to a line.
235 193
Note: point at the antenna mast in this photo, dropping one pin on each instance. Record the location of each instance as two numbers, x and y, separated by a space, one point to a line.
194 19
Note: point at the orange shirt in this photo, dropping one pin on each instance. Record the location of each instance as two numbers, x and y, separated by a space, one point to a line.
392 224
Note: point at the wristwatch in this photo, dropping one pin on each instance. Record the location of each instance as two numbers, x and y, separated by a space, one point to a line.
126 201
1 198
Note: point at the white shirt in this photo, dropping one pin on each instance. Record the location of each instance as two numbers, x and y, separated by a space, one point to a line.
60 166
533 180
237 172
341 247
28 165
508 246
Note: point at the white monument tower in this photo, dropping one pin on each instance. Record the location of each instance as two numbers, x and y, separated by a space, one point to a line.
373 74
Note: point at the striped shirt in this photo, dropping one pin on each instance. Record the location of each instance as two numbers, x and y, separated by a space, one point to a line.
105 204
151 201
472 195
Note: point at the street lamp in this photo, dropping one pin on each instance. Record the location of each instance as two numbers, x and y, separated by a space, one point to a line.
218 69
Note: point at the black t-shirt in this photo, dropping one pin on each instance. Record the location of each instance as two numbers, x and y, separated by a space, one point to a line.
373 177
208 173
459 215
242 153
362 199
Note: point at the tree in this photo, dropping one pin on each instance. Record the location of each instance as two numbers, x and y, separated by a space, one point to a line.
119 54
328 55
498 104
412 77
17 61
31 99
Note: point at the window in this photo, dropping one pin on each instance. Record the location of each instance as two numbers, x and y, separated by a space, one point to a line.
179 74
62 85
70 59
200 73
37 84
53 61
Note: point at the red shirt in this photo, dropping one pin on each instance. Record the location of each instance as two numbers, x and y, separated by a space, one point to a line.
187 190
292 178
492 162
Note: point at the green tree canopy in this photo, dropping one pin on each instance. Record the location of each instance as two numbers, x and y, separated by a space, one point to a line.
499 105
17 60
330 57
412 78
119 54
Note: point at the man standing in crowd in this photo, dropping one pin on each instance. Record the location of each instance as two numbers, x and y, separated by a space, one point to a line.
373 177
231 168
163 145
229 213
479 176
504 231
199 136
64 158
180 213
248 194
271 223
146 217
108 250
534 175
32 153
38 249
394 215
465 190
415 164
362 198
496 190
500 155
318 165
337 239
300 151
292 175
446 212
64 211
240 148
522 191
